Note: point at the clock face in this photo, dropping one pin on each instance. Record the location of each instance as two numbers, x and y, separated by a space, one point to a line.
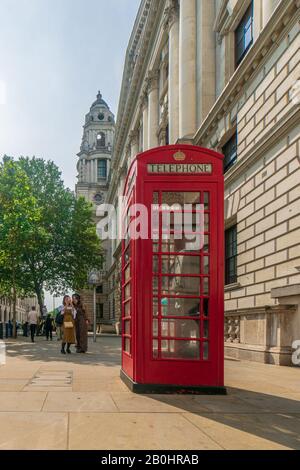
100 116
99 198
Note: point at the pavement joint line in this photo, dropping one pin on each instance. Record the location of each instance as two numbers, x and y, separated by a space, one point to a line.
202 430
114 402
44 402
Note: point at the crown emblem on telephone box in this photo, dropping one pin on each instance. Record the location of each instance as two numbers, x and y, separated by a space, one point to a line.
179 156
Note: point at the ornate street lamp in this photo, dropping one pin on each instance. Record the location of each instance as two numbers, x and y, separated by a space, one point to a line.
94 279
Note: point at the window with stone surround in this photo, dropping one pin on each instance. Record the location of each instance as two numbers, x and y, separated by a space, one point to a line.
231 255
100 140
99 312
102 169
244 35
229 151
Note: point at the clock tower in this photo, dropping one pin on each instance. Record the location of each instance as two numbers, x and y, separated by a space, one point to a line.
93 167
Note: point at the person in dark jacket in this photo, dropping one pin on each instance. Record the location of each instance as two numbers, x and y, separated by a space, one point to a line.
48 327
81 324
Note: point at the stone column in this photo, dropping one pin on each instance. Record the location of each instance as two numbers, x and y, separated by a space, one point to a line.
206 59
153 111
172 24
257 17
95 170
144 108
268 7
187 68
89 170
134 142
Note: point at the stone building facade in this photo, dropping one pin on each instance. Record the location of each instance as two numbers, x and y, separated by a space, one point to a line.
93 166
23 307
225 74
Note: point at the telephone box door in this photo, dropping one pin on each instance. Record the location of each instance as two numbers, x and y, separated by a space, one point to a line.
181 334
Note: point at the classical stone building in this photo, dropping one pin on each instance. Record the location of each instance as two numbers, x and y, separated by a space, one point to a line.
23 306
225 74
93 166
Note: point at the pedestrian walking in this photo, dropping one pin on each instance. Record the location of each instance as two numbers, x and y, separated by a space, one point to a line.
81 324
68 327
59 322
25 329
32 321
49 327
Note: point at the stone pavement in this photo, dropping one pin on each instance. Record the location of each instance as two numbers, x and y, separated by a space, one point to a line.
50 401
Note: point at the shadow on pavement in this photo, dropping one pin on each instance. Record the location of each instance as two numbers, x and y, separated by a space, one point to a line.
101 352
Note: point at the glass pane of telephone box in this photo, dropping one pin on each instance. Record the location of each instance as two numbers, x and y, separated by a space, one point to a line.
155 308
155 348
127 312
127 327
127 344
185 244
180 306
181 198
205 351
179 264
178 285
180 328
180 349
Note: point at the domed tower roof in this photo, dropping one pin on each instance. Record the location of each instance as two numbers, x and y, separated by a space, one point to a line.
99 113
99 102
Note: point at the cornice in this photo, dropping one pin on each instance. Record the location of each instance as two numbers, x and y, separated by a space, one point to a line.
134 137
287 11
171 14
152 80
267 309
129 96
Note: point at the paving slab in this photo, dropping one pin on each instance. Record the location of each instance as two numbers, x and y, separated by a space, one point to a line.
48 388
136 431
272 404
261 410
250 432
22 401
12 385
133 403
99 386
224 404
79 402
33 431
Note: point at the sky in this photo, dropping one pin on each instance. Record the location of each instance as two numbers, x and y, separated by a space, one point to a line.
54 57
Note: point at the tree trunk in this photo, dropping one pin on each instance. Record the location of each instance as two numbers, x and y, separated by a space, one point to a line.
39 294
14 300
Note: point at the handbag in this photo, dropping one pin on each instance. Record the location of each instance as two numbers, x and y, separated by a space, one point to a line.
68 324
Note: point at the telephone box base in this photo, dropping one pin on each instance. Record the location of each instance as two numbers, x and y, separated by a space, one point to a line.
170 389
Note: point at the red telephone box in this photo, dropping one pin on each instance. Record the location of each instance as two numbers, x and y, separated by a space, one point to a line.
173 273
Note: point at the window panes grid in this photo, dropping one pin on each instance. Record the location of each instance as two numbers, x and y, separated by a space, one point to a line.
101 169
244 35
230 152
231 255
181 288
127 302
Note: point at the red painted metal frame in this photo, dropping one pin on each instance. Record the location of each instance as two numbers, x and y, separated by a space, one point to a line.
139 365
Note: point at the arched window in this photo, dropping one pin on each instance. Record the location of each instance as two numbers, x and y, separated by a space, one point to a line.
102 169
100 140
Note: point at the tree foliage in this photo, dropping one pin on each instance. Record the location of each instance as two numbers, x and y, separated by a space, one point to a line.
49 233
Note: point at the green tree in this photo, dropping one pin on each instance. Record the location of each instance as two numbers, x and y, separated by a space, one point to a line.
48 237
19 218
72 247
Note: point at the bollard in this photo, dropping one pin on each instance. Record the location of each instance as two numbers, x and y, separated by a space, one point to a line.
2 353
